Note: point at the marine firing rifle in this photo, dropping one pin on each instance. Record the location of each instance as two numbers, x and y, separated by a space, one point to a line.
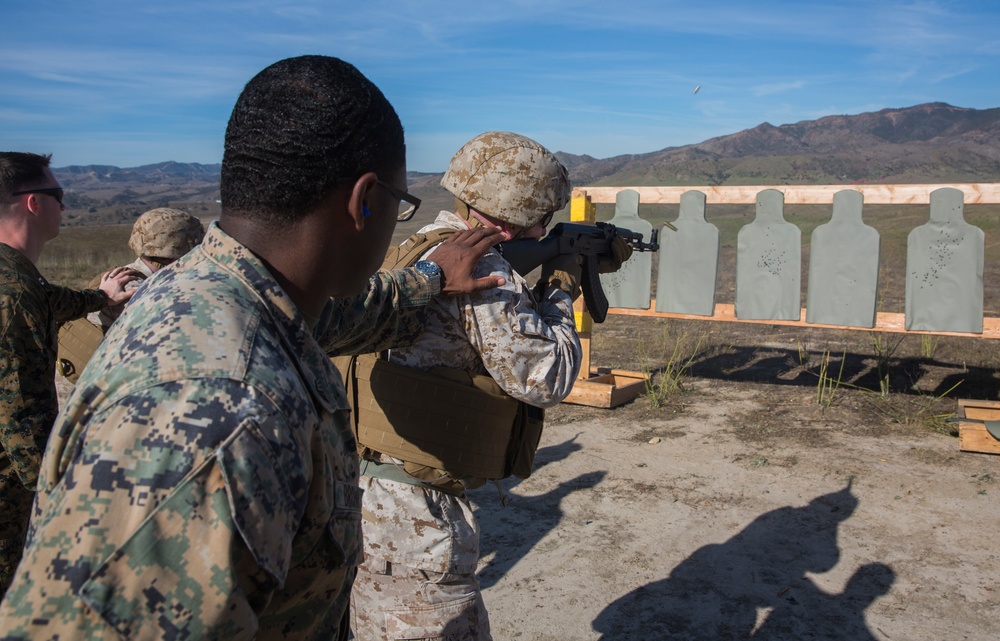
590 241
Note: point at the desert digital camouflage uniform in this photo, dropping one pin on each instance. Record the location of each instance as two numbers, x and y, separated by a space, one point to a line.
421 546
30 310
202 482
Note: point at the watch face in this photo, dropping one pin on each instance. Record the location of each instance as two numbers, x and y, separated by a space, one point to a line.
428 267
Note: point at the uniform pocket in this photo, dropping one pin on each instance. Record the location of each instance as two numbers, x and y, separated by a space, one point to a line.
264 508
452 620
344 526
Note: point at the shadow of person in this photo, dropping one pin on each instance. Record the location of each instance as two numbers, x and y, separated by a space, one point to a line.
840 616
716 593
509 533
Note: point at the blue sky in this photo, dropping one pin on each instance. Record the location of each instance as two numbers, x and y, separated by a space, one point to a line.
135 82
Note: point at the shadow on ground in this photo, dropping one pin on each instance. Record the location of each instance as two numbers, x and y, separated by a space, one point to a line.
755 585
906 375
509 533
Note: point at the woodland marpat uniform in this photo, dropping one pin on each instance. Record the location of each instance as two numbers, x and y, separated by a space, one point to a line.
209 420
30 310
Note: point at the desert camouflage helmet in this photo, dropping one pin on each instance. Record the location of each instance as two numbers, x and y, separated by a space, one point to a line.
509 177
165 233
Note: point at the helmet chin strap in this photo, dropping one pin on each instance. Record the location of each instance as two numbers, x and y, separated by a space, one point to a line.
462 211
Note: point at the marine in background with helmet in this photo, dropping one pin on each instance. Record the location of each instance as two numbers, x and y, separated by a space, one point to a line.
159 237
421 540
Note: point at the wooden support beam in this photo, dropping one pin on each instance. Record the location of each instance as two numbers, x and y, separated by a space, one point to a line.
975 193
884 321
582 210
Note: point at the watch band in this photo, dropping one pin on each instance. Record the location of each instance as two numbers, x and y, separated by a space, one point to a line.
433 273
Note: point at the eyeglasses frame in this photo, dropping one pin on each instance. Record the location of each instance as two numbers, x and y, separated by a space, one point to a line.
401 195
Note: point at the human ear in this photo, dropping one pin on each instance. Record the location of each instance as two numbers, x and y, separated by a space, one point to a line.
357 205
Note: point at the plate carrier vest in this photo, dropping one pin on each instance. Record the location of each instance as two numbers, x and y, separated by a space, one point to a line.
452 430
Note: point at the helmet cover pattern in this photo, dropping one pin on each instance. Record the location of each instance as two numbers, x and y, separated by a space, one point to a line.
165 233
509 177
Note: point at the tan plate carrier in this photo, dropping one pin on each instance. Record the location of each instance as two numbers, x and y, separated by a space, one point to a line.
78 340
443 420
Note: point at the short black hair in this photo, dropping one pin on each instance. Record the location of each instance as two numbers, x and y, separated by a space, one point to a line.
298 126
21 169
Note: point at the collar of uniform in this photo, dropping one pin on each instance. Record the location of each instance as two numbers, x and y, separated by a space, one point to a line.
141 267
315 367
449 219
12 255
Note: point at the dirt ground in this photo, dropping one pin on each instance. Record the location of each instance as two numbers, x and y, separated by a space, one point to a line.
742 507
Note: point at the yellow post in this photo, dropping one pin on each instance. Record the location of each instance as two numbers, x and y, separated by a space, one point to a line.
582 210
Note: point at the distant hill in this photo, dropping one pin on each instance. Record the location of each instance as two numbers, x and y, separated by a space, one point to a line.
928 143
933 142
104 194
172 173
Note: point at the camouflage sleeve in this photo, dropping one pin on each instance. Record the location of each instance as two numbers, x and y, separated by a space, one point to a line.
389 313
530 349
28 402
70 304
178 522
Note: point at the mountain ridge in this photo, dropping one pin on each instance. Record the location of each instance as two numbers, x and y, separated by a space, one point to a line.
927 143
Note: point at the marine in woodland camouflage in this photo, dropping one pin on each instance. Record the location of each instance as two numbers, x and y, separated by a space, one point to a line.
202 482
422 547
30 310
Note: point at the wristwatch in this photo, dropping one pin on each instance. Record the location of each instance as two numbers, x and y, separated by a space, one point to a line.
433 273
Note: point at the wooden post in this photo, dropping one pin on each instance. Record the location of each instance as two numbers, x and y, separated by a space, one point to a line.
604 388
582 210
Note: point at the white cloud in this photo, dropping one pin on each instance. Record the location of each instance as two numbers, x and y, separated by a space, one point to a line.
778 87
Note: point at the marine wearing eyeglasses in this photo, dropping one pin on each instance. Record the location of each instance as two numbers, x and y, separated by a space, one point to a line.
202 481
31 206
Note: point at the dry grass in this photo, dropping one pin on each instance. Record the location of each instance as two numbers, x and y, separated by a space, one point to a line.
925 376
80 253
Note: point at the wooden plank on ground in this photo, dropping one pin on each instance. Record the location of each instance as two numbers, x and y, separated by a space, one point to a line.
973 437
607 388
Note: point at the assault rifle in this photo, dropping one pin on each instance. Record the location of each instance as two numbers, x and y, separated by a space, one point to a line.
593 242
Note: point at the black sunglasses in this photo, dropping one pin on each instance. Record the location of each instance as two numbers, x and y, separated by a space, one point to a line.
55 192
408 203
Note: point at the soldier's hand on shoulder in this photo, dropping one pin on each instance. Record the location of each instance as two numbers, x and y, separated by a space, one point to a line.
113 284
457 258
